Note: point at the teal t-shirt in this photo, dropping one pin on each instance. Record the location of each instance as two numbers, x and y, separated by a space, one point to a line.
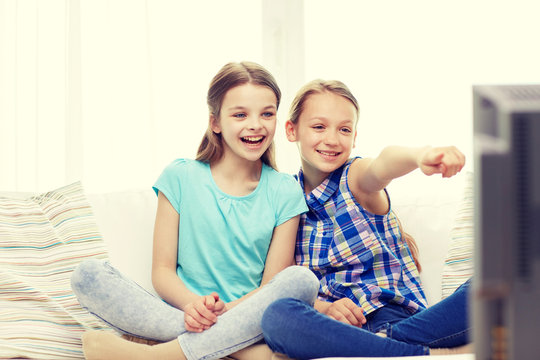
223 240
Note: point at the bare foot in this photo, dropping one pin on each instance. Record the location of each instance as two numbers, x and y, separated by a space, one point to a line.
253 352
104 345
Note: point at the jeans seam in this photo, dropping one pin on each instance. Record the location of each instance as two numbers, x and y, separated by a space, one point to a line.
435 342
119 329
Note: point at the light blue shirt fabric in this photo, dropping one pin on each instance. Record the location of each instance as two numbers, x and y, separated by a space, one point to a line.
223 240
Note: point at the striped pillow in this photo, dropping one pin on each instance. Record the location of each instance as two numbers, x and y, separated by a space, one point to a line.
42 239
458 265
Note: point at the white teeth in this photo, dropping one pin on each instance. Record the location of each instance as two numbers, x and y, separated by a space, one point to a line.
328 153
253 138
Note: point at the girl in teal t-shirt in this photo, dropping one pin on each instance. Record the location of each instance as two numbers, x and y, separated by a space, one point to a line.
224 239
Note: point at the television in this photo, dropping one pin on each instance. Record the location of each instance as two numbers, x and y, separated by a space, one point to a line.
505 296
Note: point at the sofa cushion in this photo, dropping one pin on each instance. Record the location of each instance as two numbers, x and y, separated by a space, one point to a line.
126 222
42 239
426 206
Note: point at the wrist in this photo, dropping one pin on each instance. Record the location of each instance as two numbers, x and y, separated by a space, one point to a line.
420 154
321 306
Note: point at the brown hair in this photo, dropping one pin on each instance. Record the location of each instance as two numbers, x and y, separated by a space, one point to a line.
336 87
229 76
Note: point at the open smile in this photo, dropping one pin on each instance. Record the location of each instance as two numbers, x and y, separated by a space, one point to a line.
329 153
253 140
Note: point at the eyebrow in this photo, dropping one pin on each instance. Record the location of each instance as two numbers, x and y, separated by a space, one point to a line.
323 118
244 108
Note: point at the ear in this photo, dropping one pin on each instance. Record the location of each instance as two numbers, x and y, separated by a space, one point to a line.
354 140
214 124
290 131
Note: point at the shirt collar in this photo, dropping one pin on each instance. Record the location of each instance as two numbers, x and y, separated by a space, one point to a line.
326 189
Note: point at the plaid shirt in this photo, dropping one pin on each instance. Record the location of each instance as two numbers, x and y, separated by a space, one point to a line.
355 253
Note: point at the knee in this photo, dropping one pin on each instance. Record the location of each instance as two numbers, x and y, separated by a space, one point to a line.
310 284
463 289
85 274
303 282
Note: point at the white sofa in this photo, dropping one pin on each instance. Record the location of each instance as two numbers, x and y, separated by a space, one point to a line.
426 207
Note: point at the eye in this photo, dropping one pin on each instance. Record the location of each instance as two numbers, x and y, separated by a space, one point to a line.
318 127
267 114
239 115
346 130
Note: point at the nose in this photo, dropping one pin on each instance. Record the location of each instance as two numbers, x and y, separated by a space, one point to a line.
331 138
254 123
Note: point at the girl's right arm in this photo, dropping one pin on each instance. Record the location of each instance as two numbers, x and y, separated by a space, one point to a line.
200 311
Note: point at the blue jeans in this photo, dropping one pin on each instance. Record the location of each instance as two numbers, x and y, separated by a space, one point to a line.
130 309
296 329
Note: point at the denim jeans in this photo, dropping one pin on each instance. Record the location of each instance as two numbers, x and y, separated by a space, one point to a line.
130 309
296 329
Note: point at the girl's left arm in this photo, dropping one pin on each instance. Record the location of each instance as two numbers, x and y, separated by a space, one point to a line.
280 254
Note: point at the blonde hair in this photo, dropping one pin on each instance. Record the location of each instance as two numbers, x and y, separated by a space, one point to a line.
319 86
413 246
229 76
336 87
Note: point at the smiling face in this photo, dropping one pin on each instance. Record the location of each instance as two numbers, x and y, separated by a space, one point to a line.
325 133
247 121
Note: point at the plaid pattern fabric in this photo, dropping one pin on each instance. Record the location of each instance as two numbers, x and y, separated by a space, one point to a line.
355 253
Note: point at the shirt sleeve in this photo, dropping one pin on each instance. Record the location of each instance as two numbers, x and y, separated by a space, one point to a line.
291 201
169 183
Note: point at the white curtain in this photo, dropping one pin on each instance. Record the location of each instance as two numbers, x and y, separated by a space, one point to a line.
33 91
109 92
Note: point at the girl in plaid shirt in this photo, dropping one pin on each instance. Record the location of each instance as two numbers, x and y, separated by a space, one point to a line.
371 301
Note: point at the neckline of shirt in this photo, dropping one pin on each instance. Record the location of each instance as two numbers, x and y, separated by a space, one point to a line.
262 179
